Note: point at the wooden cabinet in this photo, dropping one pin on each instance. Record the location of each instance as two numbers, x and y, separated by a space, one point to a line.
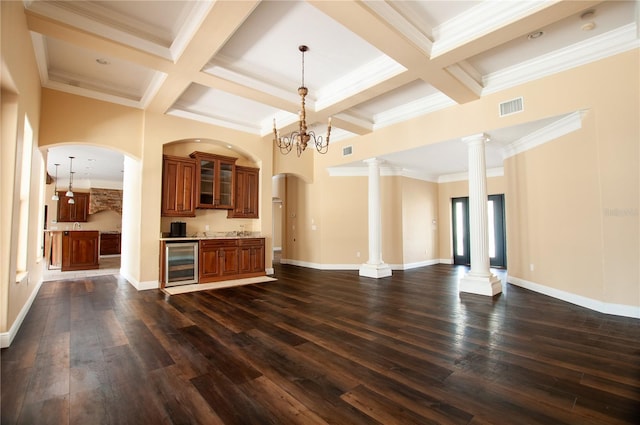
109 243
178 179
215 179
218 259
224 259
76 212
80 250
251 255
246 193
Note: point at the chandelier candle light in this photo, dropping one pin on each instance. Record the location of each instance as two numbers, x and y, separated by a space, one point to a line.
300 138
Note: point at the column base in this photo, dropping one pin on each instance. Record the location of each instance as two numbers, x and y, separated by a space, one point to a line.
482 285
375 271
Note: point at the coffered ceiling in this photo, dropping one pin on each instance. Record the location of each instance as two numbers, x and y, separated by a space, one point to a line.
370 64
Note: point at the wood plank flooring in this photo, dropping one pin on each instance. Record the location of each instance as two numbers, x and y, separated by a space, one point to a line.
318 347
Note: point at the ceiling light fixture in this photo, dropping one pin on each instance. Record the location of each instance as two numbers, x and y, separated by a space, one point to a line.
300 138
55 196
69 193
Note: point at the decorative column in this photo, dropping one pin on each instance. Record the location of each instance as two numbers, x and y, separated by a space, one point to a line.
479 280
374 267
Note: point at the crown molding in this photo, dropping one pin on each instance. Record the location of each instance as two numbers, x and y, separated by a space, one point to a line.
372 73
479 20
456 177
397 21
563 126
413 109
611 43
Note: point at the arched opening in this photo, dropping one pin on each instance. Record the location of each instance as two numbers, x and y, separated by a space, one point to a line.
96 176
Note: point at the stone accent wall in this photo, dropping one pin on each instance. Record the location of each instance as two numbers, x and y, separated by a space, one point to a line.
105 199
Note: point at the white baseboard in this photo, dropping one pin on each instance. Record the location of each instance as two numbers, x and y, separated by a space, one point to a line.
140 286
319 266
6 338
601 306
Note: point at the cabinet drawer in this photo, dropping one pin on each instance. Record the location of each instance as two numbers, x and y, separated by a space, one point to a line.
218 243
251 242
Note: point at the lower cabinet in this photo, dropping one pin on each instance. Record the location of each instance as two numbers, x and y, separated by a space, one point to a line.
80 250
251 255
224 259
109 243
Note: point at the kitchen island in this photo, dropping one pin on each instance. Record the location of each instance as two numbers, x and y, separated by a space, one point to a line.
69 250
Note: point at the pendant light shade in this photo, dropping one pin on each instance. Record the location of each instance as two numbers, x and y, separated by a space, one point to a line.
55 186
70 191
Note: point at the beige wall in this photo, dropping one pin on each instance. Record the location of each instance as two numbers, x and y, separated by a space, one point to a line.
419 221
20 84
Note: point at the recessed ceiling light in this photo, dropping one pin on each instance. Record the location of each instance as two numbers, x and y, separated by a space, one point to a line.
589 14
102 61
535 34
197 140
588 26
229 147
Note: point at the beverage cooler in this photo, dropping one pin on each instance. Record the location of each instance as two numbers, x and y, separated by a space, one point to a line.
181 267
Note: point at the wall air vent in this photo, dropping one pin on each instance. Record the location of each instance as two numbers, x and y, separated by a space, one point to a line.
512 106
347 150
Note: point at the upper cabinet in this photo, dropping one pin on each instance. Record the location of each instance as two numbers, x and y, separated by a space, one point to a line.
208 181
78 211
214 180
178 179
246 196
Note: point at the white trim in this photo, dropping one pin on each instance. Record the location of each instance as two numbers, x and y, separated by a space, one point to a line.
601 306
140 286
456 177
409 266
602 46
270 271
319 266
565 125
392 16
6 338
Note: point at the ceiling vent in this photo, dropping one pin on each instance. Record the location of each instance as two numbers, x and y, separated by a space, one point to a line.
347 150
511 107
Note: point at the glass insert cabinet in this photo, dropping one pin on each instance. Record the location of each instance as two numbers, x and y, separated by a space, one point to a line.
214 180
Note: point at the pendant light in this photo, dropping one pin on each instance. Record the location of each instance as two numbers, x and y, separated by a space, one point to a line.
55 186
71 200
70 191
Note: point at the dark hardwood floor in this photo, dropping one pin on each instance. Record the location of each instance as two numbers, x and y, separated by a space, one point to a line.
318 347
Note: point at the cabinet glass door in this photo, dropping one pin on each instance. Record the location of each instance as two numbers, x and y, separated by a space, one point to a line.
226 187
207 182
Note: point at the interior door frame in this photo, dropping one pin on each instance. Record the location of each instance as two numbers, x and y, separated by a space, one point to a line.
500 258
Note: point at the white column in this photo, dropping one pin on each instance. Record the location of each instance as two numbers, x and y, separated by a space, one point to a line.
479 280
374 267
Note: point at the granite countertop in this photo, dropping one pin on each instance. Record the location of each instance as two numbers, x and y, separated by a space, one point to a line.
213 235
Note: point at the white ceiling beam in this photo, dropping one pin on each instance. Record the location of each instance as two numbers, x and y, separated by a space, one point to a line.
368 24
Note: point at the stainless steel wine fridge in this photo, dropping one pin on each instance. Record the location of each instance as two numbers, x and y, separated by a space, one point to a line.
181 266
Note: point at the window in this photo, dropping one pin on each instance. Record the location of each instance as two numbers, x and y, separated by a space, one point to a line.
25 185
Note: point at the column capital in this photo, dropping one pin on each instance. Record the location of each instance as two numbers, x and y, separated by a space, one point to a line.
374 161
476 138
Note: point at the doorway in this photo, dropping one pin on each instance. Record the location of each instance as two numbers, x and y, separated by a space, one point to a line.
497 235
